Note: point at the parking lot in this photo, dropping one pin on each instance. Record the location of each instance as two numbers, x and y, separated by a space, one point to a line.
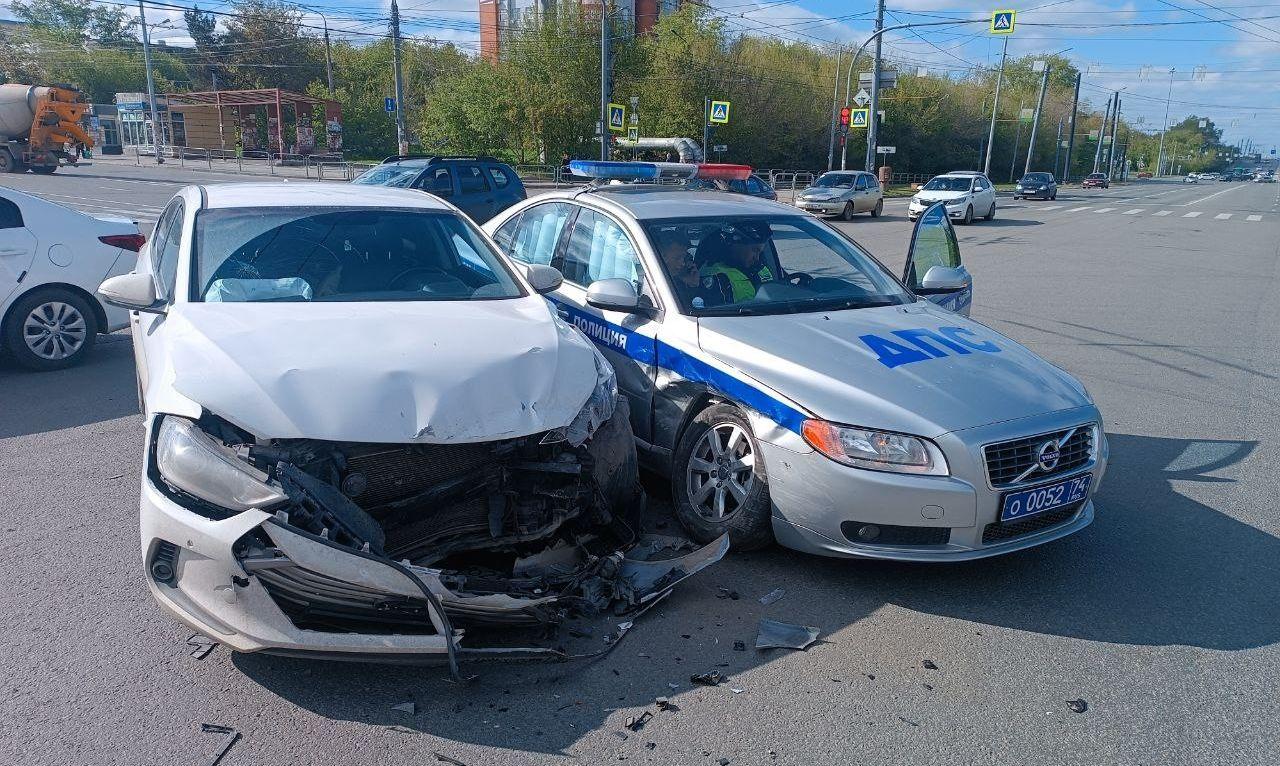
1162 616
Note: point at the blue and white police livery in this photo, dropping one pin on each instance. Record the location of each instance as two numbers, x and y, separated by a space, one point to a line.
793 389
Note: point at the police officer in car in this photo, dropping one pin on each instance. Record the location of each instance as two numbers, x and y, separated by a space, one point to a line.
734 266
673 247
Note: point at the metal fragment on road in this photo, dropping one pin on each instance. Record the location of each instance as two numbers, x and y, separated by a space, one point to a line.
232 737
448 760
783 635
772 596
713 678
637 723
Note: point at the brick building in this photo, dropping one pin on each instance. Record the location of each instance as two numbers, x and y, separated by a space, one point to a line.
497 17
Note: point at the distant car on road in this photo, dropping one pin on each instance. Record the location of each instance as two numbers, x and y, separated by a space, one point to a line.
1033 185
1095 181
1191 178
967 194
481 187
843 193
754 185
1266 178
1144 174
52 259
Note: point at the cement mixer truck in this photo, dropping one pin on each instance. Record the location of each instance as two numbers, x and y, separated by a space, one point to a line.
40 126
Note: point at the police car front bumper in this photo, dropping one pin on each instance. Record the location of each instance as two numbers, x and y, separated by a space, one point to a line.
830 509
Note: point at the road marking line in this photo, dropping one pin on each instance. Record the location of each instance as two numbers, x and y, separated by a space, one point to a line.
1222 216
1104 210
1135 211
1051 207
1211 196
1196 214
1253 218
1077 209
108 203
1162 212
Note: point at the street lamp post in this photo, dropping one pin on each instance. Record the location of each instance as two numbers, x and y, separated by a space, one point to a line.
1164 126
156 128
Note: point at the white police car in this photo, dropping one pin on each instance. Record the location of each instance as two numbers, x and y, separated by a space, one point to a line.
794 389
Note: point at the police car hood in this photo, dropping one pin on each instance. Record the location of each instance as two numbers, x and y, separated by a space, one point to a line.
425 371
862 367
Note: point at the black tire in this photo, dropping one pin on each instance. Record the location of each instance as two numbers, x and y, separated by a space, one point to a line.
58 357
968 216
847 214
1055 196
748 523
43 170
991 214
8 164
878 209
1016 197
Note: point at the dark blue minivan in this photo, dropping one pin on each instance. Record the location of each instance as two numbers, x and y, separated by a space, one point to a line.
480 186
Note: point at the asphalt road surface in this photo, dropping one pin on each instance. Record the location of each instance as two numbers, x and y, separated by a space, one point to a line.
1163 615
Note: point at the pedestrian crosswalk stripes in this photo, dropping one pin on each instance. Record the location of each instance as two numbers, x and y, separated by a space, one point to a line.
1140 211
1162 212
1193 214
1253 218
1051 207
1135 211
1077 209
1104 210
1222 217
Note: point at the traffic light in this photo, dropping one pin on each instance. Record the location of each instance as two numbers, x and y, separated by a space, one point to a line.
844 116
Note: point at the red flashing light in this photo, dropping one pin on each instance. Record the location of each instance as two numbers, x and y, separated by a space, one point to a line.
723 171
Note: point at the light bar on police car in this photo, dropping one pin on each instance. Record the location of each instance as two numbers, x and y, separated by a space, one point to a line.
605 170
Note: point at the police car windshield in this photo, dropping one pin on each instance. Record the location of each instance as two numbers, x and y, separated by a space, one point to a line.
246 255
833 180
389 175
953 184
778 264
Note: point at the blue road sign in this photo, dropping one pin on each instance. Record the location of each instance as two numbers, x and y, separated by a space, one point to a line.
389 104
1002 22
617 117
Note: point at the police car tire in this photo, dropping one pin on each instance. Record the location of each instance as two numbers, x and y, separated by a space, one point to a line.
751 526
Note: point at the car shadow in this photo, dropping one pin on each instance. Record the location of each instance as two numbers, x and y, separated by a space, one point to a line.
1005 222
1156 568
37 402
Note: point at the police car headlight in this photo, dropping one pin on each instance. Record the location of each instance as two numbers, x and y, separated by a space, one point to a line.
596 412
194 462
875 450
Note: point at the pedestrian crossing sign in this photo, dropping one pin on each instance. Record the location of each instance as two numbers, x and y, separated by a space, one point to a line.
858 118
617 117
719 113
1002 22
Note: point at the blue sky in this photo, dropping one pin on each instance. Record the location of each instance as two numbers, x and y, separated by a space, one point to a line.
1226 55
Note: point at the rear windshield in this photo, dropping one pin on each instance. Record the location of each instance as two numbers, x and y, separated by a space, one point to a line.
247 255
389 175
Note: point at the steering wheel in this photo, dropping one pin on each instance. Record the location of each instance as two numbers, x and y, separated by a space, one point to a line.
799 278
398 279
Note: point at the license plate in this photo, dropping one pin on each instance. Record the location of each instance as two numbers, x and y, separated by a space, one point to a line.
1030 502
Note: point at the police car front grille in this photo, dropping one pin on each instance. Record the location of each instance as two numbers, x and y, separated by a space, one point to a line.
1006 461
1008 530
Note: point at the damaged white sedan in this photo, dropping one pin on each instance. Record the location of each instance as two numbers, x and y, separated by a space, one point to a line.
368 432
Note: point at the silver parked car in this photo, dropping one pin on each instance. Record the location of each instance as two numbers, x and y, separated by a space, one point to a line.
844 193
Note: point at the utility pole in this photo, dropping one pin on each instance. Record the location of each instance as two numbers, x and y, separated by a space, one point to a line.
402 140
328 55
835 97
1057 149
1115 130
995 109
604 85
1035 123
1071 139
156 127
706 127
1102 133
1164 126
1017 141
873 115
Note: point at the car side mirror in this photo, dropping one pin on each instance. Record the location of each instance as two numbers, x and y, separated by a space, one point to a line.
945 279
615 294
543 279
133 291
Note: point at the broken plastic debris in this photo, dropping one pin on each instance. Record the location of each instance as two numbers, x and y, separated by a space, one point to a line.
726 593
1077 705
232 736
772 596
406 707
739 646
448 760
737 691
783 635
665 704
637 723
713 678
930 665
201 646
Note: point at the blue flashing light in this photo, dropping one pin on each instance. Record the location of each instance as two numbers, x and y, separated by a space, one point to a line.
621 171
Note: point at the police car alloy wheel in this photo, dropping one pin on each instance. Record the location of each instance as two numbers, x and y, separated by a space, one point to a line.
719 482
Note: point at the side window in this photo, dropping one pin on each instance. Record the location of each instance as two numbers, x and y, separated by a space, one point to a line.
862 184
498 176
600 249
506 233
873 182
470 180
166 261
10 215
438 181
535 236
979 184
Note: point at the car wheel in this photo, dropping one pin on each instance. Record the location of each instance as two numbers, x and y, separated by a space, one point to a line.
968 216
878 209
991 214
847 213
719 484
50 329
43 170
1054 196
1016 197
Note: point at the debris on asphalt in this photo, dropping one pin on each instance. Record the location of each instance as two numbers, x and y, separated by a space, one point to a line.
729 594
930 665
908 722
672 686
712 678
1077 705
636 723
232 737
870 676
723 762
406 707
736 691
739 646
772 596
927 686
783 635
448 760
201 646
665 704
651 745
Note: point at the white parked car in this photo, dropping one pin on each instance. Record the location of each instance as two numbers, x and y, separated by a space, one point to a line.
966 194
1192 178
52 258
364 426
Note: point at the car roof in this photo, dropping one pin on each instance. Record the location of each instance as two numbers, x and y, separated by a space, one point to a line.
957 175
287 194
649 201
963 173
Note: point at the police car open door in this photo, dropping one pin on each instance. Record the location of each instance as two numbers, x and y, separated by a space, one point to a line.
933 269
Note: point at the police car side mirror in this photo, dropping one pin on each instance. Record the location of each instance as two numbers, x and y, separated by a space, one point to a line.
613 295
945 279
543 279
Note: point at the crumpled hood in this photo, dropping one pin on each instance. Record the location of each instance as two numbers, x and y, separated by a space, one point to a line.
428 371
821 362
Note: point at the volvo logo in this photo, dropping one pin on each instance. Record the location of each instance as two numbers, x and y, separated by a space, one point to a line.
1048 456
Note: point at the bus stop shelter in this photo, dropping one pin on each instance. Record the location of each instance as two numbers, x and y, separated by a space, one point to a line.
206 114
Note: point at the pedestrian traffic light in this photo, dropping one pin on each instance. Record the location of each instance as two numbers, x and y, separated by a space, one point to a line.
844 116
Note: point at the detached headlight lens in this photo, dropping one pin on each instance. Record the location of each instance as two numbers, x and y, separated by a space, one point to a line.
196 463
875 450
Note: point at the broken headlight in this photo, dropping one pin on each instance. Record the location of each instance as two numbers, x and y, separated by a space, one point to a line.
196 463
598 409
